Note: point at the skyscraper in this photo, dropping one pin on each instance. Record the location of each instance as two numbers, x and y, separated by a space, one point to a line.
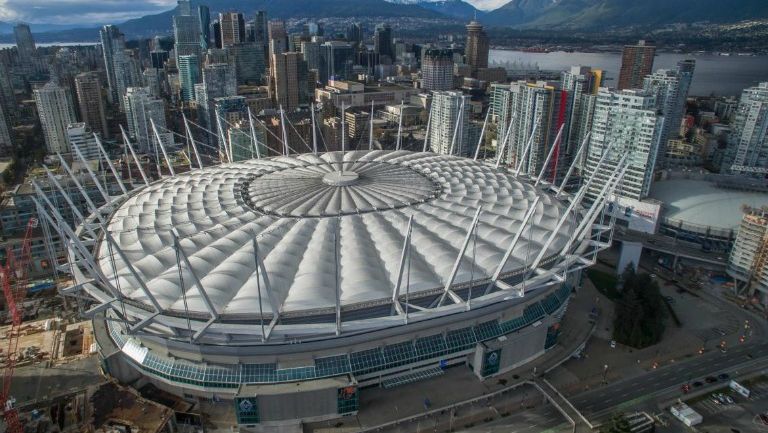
671 90
260 28
437 70
289 87
56 111
747 150
249 62
112 42
127 72
189 65
6 144
336 60
636 63
628 122
382 42
477 48
232 28
278 37
91 102
218 81
204 18
25 43
141 109
448 129
354 34
311 52
186 31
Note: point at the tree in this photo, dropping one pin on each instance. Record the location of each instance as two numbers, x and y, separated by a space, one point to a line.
639 313
617 424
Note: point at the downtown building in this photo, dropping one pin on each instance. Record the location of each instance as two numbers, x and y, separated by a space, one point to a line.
91 102
112 43
626 123
81 136
449 129
437 70
57 112
189 75
671 89
636 63
746 153
748 260
534 110
141 110
289 85
477 48
186 32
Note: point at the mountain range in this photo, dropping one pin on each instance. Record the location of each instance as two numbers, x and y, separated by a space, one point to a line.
528 14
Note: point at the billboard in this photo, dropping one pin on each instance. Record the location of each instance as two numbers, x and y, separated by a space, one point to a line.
641 216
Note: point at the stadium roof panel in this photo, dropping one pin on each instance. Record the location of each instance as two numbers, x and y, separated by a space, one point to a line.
321 234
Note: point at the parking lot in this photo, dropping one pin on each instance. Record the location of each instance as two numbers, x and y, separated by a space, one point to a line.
741 416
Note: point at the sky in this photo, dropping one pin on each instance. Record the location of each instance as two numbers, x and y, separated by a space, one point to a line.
109 11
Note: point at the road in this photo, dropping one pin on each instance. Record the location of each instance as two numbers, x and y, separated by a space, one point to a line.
599 402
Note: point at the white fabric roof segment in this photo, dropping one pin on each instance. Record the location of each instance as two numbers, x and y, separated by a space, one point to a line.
303 220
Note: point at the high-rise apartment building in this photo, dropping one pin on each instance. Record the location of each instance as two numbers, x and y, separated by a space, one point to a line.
232 28
382 43
581 84
189 67
80 135
141 109
437 70
671 90
477 48
747 150
56 111
289 88
112 43
748 261
91 102
636 63
627 122
204 18
533 109
450 128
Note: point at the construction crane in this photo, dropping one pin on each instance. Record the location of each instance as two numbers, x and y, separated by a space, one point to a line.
14 280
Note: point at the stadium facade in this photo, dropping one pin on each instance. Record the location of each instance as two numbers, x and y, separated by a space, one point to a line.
287 284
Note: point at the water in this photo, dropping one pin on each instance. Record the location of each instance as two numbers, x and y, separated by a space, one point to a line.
721 75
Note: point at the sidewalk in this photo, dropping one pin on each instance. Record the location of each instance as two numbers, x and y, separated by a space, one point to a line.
380 406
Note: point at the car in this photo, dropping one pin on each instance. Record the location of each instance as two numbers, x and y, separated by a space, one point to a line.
613 344
728 399
715 400
764 418
697 384
685 388
723 376
669 299
653 275
710 379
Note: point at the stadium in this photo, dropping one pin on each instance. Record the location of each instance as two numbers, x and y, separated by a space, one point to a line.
289 284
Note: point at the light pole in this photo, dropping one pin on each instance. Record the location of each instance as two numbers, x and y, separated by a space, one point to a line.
605 373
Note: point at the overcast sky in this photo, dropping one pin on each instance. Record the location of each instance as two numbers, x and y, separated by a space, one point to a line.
108 11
